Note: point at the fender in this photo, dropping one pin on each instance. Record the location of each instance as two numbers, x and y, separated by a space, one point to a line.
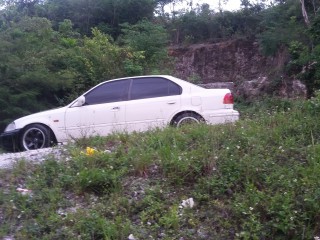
196 109
54 119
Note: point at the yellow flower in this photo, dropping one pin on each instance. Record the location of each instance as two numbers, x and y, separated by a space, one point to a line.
90 151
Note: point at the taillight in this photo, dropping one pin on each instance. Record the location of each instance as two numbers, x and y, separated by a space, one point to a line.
228 98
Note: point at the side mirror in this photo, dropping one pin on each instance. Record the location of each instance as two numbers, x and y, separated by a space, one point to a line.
81 101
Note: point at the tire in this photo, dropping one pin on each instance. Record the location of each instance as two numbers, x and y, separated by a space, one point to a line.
35 136
187 118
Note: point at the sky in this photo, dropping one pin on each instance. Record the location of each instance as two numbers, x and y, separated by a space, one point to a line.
230 6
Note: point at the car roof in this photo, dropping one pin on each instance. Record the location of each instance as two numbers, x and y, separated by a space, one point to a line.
179 81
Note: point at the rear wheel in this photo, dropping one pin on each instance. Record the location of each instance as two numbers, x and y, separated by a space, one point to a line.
35 136
187 118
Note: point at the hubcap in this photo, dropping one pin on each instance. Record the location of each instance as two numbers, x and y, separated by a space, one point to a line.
33 138
187 120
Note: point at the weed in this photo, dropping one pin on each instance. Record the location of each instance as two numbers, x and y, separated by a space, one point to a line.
170 220
255 179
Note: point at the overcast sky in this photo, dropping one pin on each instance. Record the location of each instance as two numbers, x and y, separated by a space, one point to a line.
231 5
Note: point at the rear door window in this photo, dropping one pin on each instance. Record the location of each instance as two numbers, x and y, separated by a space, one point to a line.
153 87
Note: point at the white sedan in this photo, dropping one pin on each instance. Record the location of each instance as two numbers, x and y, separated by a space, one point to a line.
126 104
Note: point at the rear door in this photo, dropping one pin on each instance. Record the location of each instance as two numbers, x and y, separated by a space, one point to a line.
153 100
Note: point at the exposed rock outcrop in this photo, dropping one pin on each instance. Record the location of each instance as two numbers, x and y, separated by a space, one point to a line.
263 86
240 62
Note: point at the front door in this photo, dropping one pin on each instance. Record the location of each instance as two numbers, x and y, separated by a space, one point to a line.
103 112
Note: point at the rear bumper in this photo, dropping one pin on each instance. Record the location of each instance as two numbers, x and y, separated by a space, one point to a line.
222 116
9 141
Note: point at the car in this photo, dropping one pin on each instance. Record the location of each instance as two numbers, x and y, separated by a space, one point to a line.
122 105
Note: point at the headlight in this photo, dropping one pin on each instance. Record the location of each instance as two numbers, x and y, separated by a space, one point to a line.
10 127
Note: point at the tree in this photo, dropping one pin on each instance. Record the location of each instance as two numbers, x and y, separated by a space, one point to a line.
28 73
161 5
304 12
106 14
41 68
245 3
149 38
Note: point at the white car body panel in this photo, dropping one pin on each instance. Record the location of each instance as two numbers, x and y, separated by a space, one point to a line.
144 114
99 119
54 119
74 121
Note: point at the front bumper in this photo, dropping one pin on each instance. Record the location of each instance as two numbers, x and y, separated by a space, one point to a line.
9 141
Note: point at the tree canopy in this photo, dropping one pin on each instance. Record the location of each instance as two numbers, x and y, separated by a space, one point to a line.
52 50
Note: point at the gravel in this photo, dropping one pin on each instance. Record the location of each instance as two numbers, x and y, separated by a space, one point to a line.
7 160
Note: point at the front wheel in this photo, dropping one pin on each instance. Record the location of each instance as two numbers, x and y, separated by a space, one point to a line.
35 136
187 118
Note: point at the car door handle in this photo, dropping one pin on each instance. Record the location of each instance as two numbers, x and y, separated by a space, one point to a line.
115 108
172 102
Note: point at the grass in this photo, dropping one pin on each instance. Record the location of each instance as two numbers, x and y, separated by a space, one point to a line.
256 179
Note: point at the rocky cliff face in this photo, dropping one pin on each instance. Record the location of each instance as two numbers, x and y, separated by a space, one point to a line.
240 62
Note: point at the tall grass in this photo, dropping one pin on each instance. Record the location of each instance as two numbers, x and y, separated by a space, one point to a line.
256 179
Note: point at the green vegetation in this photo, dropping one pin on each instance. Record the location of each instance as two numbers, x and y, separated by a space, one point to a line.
53 50
256 179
